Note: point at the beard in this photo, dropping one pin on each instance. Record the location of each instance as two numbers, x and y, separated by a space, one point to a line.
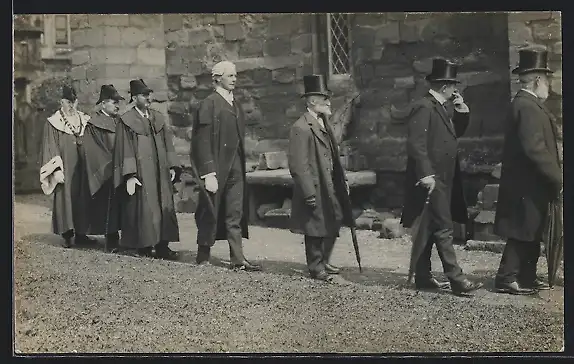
69 108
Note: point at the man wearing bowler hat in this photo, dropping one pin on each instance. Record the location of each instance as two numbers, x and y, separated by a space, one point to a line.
217 152
145 167
99 140
531 176
318 191
62 171
433 168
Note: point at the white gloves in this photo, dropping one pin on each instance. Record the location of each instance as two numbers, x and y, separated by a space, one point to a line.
211 183
171 174
131 185
59 176
428 182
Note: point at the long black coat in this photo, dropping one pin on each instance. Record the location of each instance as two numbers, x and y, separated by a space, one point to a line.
432 149
217 134
317 171
531 176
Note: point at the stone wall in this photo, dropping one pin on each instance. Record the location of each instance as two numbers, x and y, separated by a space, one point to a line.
539 28
272 52
116 48
392 53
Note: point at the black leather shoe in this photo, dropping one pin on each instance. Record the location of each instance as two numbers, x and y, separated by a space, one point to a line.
537 285
246 266
322 276
203 254
513 288
67 243
331 269
112 245
464 287
431 283
166 253
145 252
83 240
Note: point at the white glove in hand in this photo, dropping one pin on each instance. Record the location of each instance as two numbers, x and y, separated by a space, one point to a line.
131 185
211 183
171 174
59 176
347 187
428 182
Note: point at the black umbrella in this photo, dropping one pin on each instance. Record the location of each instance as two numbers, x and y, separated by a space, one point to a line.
554 240
419 236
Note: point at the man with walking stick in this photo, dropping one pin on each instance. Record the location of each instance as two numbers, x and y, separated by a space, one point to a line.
320 193
433 168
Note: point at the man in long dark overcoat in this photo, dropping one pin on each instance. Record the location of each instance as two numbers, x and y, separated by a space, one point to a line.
433 167
319 192
99 140
218 154
531 177
145 167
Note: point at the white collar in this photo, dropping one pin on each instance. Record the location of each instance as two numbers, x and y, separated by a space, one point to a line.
319 120
226 94
105 113
530 92
145 115
440 98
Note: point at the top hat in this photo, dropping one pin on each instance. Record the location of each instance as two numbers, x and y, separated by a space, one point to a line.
443 71
532 60
138 87
108 92
68 93
315 85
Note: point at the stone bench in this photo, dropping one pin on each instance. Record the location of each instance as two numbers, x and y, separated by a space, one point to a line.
273 188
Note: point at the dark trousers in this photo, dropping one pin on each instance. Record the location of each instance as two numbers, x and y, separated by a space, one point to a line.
318 251
442 238
232 199
518 263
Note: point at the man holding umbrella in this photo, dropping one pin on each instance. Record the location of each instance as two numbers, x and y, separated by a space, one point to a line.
99 140
320 192
531 176
433 171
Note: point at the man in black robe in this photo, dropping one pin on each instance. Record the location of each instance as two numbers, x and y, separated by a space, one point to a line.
219 156
99 140
145 167
62 171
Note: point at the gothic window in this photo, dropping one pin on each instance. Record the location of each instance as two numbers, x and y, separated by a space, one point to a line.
339 41
62 29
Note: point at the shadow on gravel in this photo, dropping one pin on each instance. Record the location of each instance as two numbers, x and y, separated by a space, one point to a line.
34 199
487 277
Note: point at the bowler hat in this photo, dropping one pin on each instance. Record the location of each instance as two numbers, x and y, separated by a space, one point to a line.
443 71
109 92
532 60
138 87
68 93
315 85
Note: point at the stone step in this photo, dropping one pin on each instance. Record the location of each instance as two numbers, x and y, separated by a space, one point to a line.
272 160
483 226
488 197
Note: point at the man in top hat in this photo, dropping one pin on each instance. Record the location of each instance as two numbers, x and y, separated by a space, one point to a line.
218 154
433 167
145 167
99 140
531 176
62 171
318 191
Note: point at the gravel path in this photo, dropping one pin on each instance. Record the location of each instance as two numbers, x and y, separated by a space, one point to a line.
76 300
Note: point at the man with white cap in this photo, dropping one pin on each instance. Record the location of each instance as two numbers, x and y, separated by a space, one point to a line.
217 152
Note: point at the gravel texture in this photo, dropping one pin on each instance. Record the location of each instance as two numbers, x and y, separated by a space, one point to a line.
79 300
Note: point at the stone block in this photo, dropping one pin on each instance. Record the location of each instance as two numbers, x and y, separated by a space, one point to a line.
264 208
145 72
393 70
364 36
157 84
546 32
271 145
519 34
284 75
117 20
81 56
97 20
155 38
277 47
489 197
146 21
89 37
409 32
112 36
301 44
272 160
188 82
423 65
150 56
79 21
388 33
227 18
234 32
405 82
487 246
78 73
132 37
221 51
117 71
270 63
256 77
178 107
370 19
528 16
199 36
251 48
172 22
280 25
96 71
179 38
